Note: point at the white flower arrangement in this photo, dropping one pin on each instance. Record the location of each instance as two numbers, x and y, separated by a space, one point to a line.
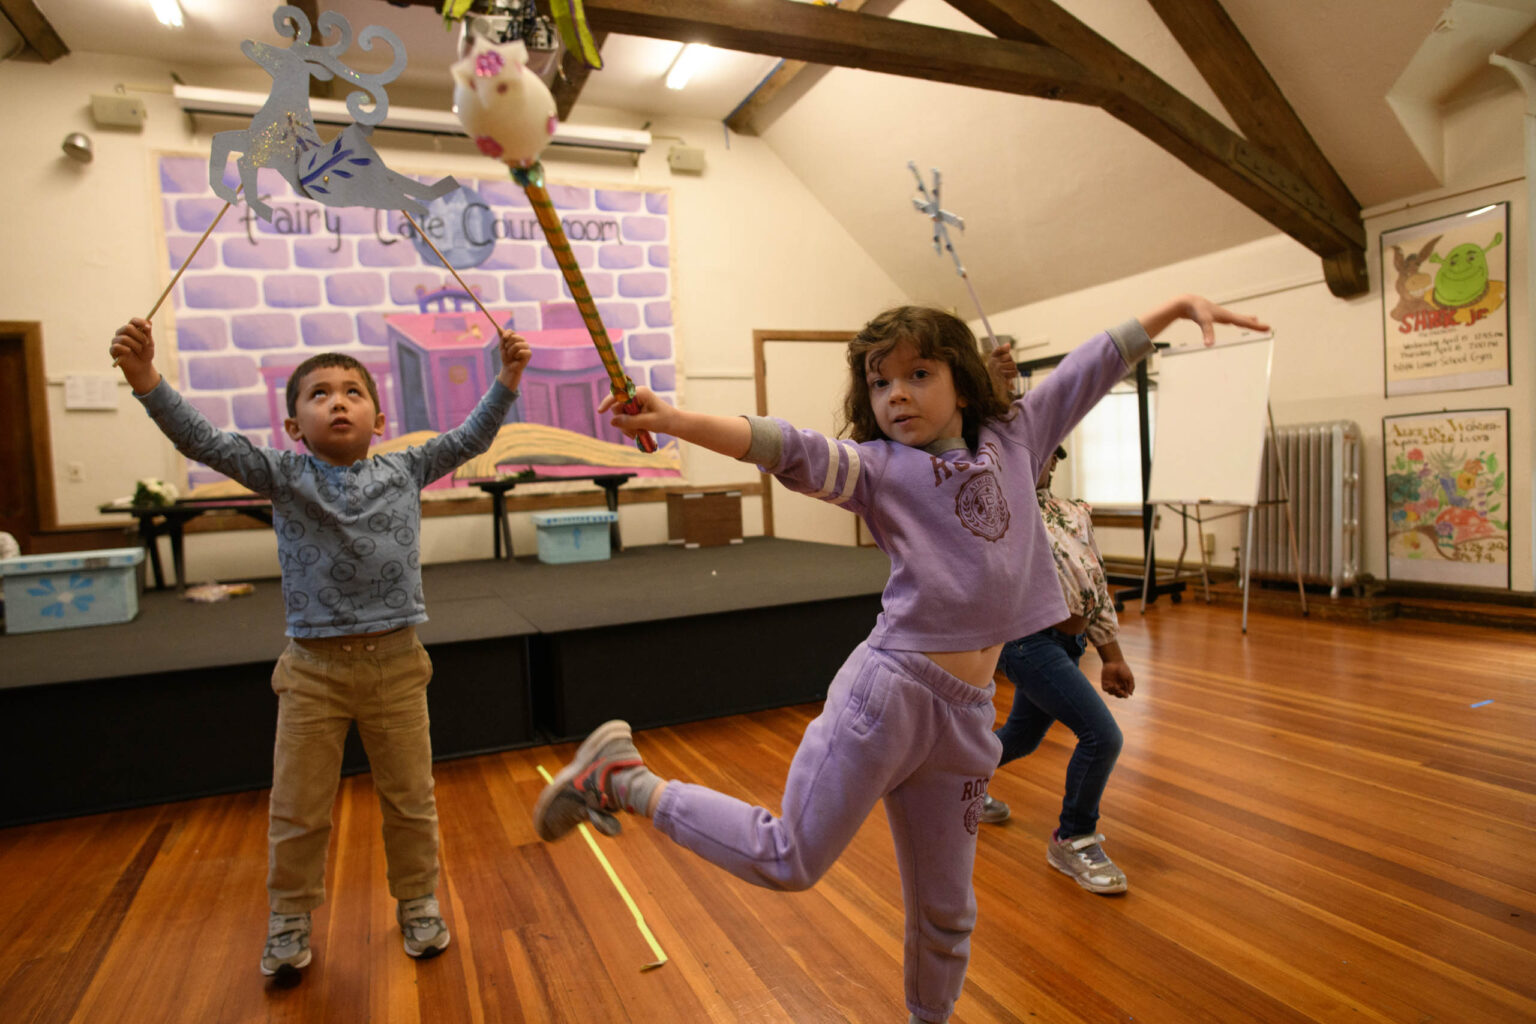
154 492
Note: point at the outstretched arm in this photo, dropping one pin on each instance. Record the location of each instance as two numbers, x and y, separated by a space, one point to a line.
1202 311
728 435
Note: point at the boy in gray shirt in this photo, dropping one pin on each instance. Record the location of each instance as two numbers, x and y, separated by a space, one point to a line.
348 546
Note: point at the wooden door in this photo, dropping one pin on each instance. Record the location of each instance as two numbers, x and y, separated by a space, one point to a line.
26 459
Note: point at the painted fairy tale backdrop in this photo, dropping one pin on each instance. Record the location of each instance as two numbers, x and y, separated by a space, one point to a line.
1448 497
261 297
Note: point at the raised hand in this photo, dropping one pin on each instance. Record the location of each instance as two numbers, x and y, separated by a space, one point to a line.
515 353
133 351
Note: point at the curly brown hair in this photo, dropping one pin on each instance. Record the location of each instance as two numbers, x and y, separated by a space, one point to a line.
938 335
323 361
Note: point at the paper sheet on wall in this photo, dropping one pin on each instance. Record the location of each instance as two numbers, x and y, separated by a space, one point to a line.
90 391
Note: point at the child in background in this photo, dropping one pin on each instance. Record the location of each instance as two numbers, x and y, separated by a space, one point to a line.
942 468
1049 687
347 528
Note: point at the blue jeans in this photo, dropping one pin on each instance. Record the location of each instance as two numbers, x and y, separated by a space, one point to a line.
1049 687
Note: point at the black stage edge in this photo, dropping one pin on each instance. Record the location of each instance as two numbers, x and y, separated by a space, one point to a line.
178 703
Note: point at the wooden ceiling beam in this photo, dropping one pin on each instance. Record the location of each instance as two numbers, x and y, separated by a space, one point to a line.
34 29
1266 118
572 77
1248 171
839 38
744 118
1041 51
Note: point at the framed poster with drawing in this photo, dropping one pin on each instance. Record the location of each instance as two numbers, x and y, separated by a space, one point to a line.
1447 502
1446 312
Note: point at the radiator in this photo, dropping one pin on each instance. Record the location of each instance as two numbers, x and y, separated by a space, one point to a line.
1321 462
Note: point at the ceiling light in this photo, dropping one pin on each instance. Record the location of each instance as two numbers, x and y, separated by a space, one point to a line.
168 12
689 59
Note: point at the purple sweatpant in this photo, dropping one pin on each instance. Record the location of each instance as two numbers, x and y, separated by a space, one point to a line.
898 727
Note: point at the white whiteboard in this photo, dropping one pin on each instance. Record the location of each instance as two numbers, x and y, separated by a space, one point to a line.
1212 413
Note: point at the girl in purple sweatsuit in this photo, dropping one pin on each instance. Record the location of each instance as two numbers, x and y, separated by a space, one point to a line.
943 470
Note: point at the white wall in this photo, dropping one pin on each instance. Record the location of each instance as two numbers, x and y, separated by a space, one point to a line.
1329 351
752 249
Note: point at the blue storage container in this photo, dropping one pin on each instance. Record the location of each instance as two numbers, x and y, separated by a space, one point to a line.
72 589
574 536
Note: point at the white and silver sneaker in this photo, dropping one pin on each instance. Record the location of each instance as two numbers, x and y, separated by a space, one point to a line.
421 922
1083 859
287 948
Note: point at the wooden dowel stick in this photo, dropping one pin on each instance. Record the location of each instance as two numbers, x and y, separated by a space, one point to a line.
187 262
495 327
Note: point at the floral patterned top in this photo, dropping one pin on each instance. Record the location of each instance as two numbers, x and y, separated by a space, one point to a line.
1079 565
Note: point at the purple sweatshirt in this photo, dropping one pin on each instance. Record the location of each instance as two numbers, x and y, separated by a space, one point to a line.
971 563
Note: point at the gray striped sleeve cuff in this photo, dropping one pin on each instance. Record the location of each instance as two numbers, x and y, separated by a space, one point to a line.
767 446
1132 341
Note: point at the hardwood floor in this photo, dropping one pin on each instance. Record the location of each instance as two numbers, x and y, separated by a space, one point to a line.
1320 822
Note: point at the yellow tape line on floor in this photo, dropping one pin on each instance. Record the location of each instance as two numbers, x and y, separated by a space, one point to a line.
613 876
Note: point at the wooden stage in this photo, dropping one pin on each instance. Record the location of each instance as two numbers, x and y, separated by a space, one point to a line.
178 703
1325 821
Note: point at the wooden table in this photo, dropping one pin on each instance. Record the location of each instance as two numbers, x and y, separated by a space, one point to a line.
501 533
156 521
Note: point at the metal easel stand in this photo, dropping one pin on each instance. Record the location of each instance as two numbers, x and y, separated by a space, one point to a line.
1182 511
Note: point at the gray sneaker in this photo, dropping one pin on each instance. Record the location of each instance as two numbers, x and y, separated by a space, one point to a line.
287 948
993 811
582 792
421 922
1083 859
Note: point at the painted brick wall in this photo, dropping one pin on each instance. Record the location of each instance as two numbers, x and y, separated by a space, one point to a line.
263 296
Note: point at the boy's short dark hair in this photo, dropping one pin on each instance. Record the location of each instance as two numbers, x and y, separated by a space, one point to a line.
323 361
937 334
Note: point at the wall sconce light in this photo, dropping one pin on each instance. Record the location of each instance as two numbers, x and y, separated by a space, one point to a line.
77 146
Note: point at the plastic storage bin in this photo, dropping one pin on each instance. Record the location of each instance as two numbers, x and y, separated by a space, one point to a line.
72 589
574 536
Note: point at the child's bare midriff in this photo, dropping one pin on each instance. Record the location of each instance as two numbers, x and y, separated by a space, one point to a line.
974 667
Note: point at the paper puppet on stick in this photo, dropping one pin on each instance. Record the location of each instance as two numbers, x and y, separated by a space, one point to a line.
928 206
508 111
347 171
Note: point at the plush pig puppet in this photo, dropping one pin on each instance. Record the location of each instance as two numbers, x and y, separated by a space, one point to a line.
502 104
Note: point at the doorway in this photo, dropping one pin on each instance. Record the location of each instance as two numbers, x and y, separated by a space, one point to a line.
801 377
26 457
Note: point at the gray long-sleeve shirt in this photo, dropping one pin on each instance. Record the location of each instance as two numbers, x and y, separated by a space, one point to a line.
348 537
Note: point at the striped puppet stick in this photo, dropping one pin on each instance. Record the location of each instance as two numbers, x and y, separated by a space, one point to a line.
531 178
